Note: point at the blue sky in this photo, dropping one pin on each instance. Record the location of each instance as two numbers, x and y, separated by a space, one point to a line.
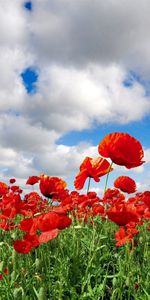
71 72
28 5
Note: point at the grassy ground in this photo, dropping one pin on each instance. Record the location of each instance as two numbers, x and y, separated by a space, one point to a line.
81 263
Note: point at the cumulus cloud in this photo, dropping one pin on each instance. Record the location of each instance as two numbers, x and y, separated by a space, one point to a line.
76 32
13 23
64 160
14 54
144 186
147 155
55 160
12 91
16 131
71 99
83 51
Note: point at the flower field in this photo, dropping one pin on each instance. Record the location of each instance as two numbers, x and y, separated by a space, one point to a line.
58 244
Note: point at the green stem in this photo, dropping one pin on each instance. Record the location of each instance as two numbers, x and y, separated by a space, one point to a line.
88 185
106 182
91 256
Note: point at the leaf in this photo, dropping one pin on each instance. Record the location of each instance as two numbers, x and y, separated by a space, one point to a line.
148 295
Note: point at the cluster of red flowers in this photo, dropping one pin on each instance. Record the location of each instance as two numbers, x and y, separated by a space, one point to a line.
40 220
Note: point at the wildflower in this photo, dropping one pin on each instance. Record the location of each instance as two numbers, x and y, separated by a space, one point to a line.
32 180
48 235
45 222
122 214
6 271
16 189
33 203
12 180
52 220
33 239
112 196
122 237
122 149
50 186
125 184
22 246
3 189
64 222
146 198
29 225
98 209
91 167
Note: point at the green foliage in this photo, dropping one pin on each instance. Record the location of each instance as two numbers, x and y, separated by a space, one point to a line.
82 263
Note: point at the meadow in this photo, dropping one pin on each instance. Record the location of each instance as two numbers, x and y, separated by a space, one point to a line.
60 244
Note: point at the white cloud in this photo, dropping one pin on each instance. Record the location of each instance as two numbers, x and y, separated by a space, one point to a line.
143 186
13 25
14 164
64 160
76 32
12 91
17 133
83 51
147 155
70 99
122 169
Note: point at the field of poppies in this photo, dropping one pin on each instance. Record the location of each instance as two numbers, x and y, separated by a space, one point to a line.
58 244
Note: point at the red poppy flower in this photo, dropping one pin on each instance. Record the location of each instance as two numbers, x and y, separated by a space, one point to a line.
131 230
6 271
33 239
147 215
32 180
125 184
64 222
122 214
60 210
22 246
48 221
30 225
15 188
146 198
123 149
50 186
113 196
91 167
3 188
46 236
122 237
98 209
12 180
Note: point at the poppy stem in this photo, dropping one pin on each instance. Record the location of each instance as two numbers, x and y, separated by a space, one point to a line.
88 185
106 182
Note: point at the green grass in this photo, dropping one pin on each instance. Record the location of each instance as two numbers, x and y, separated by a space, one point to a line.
81 263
